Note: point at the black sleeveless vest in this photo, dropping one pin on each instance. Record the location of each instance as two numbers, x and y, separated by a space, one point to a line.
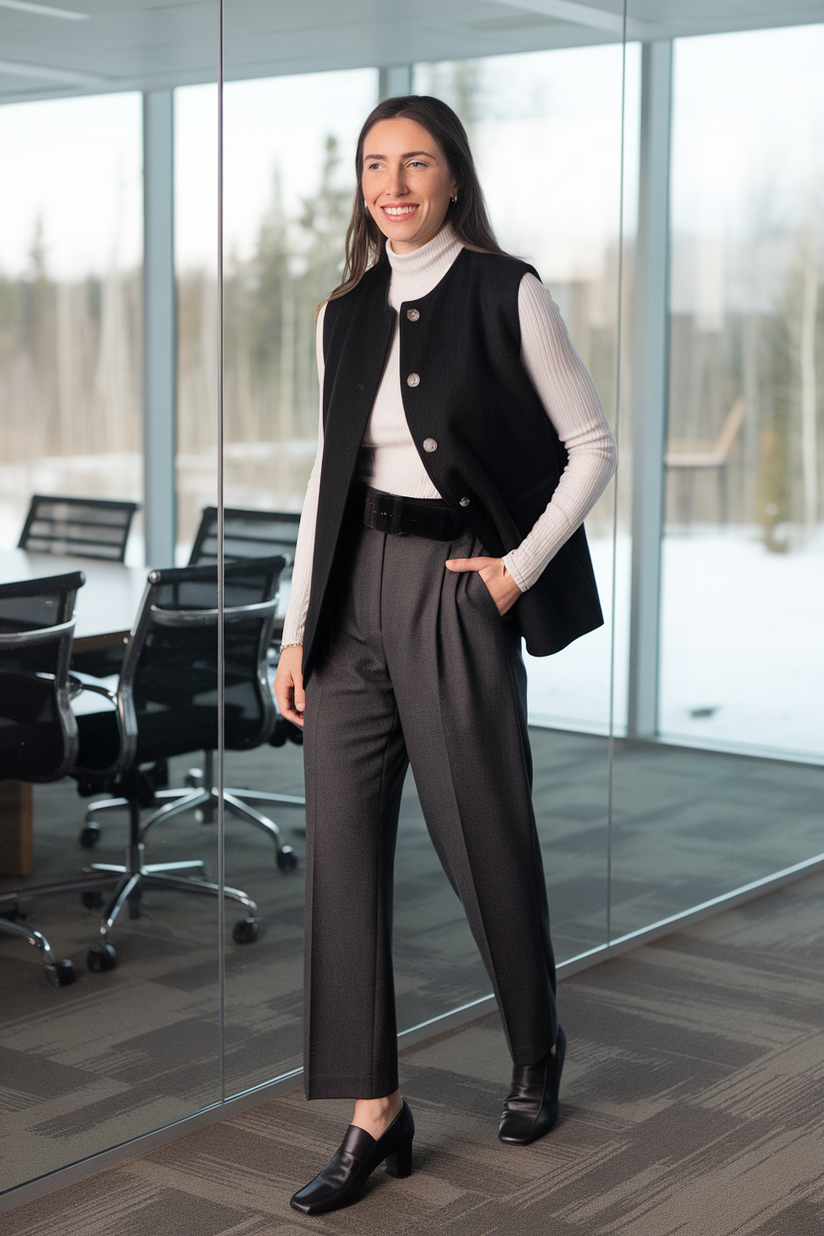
497 458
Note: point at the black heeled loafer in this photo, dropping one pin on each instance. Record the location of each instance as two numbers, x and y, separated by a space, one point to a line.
343 1179
531 1109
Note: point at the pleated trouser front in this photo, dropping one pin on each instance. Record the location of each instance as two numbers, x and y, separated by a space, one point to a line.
419 669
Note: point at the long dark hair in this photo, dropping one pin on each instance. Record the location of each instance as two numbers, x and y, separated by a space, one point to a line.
365 242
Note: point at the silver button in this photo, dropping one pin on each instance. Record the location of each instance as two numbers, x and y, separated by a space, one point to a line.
429 444
414 379
413 315
464 502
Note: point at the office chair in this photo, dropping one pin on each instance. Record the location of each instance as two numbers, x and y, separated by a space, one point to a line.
691 457
80 527
38 733
248 534
166 704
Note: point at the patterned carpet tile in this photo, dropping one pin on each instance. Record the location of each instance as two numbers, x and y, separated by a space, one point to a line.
693 1105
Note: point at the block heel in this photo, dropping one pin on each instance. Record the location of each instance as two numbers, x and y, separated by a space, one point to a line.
399 1162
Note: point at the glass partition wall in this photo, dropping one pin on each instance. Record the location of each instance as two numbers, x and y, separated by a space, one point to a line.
92 408
678 750
717 776
287 196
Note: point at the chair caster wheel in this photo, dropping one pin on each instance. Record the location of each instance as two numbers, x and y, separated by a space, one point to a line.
287 858
61 973
101 957
89 836
246 931
92 900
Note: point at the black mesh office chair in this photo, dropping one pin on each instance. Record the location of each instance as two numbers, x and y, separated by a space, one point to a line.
38 733
246 534
166 704
250 534
81 527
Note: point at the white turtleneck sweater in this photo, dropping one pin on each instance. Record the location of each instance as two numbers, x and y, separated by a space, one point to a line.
389 460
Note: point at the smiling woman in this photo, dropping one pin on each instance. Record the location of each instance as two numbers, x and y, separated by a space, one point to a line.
461 445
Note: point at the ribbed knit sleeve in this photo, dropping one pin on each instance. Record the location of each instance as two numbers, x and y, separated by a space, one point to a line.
571 402
295 620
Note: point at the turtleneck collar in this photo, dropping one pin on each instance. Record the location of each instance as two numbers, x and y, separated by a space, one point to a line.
419 271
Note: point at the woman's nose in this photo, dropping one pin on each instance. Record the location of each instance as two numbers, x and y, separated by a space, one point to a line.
397 183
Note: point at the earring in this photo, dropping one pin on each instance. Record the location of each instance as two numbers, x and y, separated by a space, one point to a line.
454 199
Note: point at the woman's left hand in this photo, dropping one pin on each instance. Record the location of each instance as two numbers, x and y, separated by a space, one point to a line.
500 584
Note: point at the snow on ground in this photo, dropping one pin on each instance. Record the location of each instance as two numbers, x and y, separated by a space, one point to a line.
743 636
742 646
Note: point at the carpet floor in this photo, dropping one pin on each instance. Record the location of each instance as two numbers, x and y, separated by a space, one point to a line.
692 1105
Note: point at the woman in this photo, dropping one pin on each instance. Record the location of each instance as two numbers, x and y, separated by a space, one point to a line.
461 445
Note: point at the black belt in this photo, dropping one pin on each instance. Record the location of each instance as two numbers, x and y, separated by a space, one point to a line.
427 517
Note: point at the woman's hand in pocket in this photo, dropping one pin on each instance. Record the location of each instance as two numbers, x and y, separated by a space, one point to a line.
499 583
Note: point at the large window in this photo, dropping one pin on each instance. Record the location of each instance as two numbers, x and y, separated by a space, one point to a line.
743 581
70 302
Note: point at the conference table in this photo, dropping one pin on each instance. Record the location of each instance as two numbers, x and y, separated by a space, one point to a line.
106 605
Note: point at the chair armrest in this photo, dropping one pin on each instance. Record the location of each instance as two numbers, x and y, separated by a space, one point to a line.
76 687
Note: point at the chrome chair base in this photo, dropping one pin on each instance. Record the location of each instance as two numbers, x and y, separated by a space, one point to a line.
135 875
59 971
203 798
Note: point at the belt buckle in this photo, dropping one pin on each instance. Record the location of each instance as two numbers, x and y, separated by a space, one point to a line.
386 513
396 517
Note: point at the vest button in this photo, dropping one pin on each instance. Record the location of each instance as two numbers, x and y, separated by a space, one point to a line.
413 314
429 444
414 379
464 502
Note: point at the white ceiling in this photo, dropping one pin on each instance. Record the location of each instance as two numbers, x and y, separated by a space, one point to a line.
70 47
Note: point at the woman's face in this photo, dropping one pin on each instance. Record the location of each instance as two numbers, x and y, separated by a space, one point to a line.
406 182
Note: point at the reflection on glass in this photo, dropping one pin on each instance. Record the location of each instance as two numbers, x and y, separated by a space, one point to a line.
743 593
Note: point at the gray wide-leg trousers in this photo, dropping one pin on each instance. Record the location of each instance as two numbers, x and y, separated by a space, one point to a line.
421 669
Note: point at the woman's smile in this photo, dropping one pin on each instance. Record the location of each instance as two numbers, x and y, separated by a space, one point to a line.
399 212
